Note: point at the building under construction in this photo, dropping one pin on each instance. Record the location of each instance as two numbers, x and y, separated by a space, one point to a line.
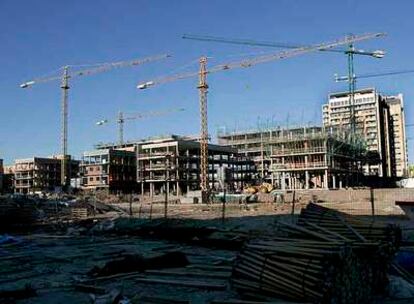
40 174
301 158
172 163
110 170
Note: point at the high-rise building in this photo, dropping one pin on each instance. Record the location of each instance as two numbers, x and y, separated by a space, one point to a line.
398 143
379 120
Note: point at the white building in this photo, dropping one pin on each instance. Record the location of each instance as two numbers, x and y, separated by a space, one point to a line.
379 121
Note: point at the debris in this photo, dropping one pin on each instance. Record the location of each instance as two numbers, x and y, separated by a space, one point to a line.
7 239
17 294
113 297
135 262
89 288
399 288
195 284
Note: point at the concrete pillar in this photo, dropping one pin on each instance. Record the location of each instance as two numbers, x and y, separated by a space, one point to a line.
333 181
325 180
306 179
283 181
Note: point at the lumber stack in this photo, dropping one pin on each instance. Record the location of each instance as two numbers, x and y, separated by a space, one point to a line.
327 257
349 227
300 270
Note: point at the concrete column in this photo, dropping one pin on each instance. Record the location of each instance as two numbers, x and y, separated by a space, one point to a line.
283 181
271 170
325 180
306 179
333 181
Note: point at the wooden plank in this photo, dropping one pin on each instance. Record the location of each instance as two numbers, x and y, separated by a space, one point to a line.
193 284
218 275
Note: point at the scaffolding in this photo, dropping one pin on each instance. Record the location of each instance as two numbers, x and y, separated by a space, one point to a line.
302 158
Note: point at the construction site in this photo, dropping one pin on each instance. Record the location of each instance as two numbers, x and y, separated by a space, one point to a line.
296 213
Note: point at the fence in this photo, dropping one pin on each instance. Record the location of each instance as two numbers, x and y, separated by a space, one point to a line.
377 202
358 201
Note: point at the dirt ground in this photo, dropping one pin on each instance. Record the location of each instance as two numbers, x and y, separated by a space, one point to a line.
55 259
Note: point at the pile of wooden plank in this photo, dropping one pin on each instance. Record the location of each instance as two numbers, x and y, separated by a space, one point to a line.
319 272
350 227
325 258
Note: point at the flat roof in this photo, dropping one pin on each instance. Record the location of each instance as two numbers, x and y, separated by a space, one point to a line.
256 131
346 93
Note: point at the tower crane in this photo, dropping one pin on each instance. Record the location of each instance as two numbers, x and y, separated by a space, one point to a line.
121 119
371 75
350 51
245 63
67 74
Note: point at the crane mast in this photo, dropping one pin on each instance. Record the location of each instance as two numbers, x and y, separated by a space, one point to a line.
64 130
122 118
121 122
203 87
64 78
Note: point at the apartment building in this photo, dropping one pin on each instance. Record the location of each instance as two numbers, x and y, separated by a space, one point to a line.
109 170
374 121
38 174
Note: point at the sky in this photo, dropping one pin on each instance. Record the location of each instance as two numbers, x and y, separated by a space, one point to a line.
39 37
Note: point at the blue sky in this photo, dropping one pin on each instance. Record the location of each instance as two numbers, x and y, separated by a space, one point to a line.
38 37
